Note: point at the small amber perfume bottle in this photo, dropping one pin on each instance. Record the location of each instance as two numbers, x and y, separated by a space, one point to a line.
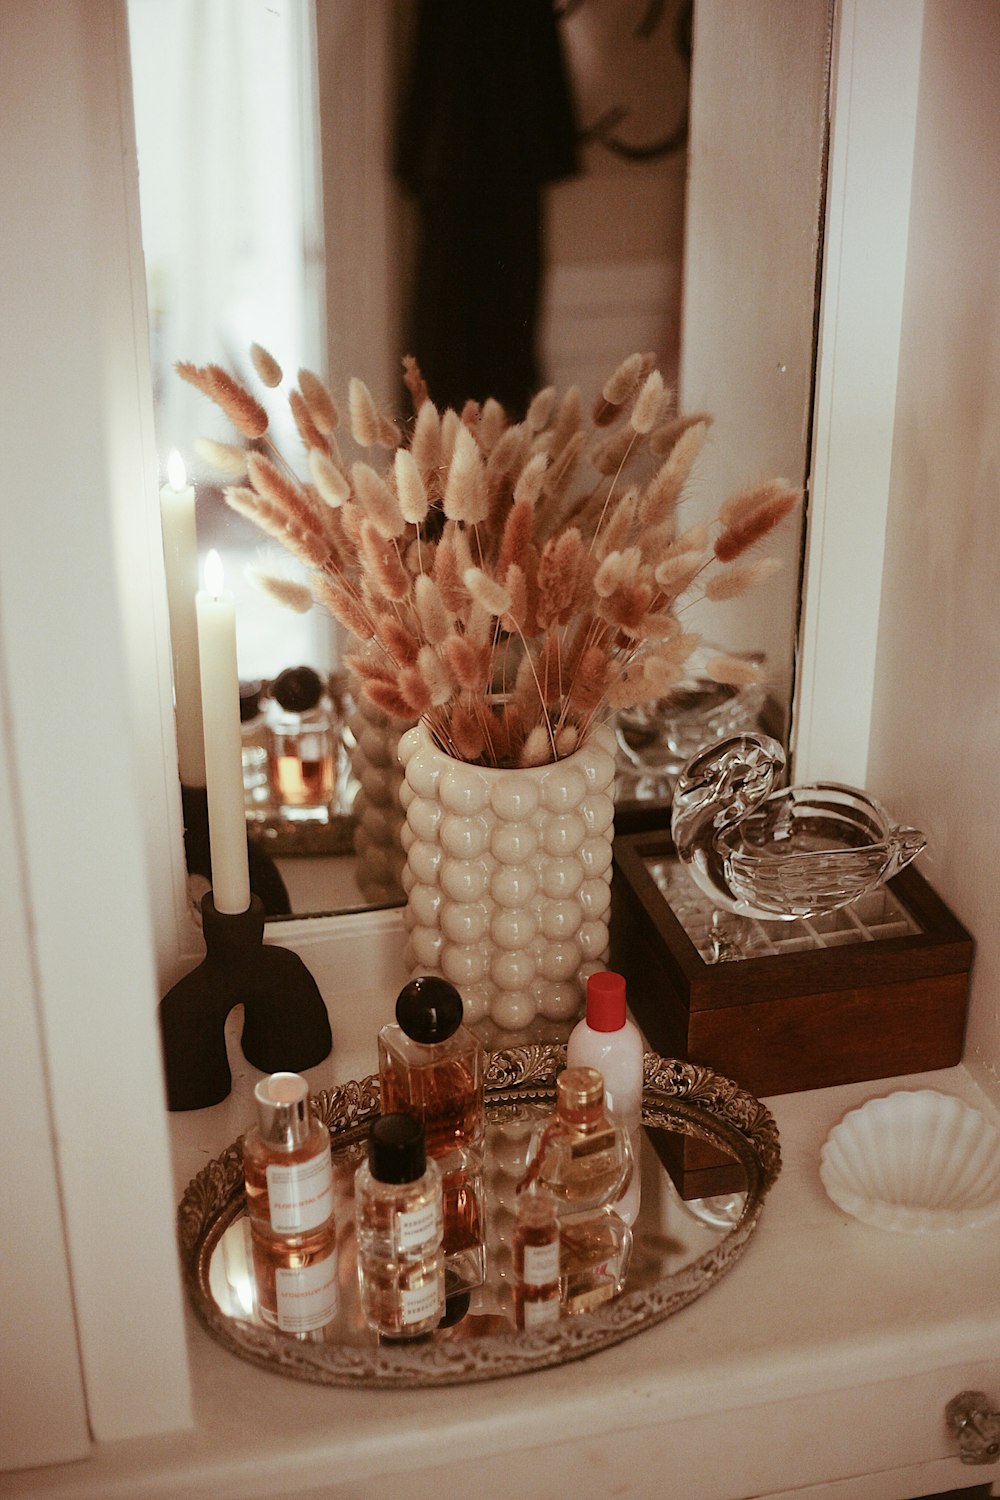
535 1249
399 1225
297 1284
301 745
287 1164
595 1252
432 1066
582 1158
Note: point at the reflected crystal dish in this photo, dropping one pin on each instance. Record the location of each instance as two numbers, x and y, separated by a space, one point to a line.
914 1161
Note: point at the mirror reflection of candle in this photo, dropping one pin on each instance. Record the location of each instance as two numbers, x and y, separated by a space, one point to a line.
180 556
220 705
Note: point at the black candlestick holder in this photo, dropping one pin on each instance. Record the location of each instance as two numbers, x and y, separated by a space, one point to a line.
285 1024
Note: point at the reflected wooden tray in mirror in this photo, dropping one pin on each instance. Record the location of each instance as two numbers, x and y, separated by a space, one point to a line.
680 1249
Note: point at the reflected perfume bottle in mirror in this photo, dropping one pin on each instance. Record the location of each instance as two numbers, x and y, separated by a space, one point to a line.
302 745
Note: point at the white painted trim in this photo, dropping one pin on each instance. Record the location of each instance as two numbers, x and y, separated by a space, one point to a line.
873 129
86 723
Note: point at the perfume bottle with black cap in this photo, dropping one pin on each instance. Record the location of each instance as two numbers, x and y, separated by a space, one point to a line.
398 1218
301 745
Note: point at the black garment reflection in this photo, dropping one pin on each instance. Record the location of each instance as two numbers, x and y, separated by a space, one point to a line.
487 120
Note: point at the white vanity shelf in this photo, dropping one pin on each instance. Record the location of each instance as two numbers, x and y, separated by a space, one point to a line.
822 1364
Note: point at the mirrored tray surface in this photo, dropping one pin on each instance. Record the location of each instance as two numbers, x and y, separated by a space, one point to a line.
680 1249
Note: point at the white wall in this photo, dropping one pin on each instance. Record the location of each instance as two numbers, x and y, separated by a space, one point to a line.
935 745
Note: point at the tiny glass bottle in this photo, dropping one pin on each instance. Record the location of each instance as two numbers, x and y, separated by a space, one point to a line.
399 1225
297 1285
607 1040
535 1250
287 1164
301 745
596 1249
432 1066
256 790
582 1158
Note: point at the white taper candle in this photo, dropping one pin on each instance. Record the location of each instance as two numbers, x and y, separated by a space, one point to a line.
220 705
180 556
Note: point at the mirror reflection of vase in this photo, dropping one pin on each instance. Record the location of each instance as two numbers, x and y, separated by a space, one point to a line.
508 878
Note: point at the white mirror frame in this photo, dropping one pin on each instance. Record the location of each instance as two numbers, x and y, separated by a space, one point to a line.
82 601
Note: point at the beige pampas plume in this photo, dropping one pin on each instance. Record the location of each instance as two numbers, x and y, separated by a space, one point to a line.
410 491
734 671
363 414
331 483
739 578
243 410
267 367
227 457
286 591
648 404
321 404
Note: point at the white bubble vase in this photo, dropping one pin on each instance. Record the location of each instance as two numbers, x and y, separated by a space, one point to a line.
508 880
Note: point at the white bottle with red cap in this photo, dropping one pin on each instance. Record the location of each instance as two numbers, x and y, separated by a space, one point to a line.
608 1041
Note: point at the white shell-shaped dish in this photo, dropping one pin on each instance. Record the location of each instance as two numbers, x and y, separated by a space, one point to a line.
914 1161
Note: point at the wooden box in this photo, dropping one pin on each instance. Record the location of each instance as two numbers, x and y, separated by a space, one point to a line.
874 991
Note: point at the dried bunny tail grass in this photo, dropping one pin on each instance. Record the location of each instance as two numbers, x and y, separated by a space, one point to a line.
243 410
628 607
739 578
610 455
344 607
664 490
538 748
648 404
410 490
305 426
518 534
425 444
382 563
401 643
486 592
492 424
468 663
415 690
466 497
436 620
743 504
561 468
617 529
620 385
451 425
321 404
229 458
676 573
529 484
414 381
516 584
470 416
734 671
267 367
466 732
286 591
663 438
389 435
379 503
753 526
589 680
569 419
558 571
540 409
616 570
567 740
436 676
389 699
363 414
448 570
331 483
282 491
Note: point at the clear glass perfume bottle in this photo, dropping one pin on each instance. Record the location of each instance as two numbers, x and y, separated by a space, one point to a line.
594 1258
607 1040
253 729
432 1066
535 1251
581 1157
287 1164
301 745
399 1225
297 1284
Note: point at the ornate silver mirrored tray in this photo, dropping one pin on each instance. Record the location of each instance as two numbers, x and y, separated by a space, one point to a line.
681 1248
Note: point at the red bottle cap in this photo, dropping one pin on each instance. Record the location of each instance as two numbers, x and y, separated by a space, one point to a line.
606 1001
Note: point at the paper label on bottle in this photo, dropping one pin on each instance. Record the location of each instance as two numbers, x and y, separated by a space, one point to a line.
541 1264
301 1195
419 1228
536 1313
307 1297
416 1304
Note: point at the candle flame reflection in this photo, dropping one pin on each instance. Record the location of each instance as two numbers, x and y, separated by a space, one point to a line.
214 574
176 473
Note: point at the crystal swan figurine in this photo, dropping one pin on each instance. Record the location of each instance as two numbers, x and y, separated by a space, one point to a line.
780 853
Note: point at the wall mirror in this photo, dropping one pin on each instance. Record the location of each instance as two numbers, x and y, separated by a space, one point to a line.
272 142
